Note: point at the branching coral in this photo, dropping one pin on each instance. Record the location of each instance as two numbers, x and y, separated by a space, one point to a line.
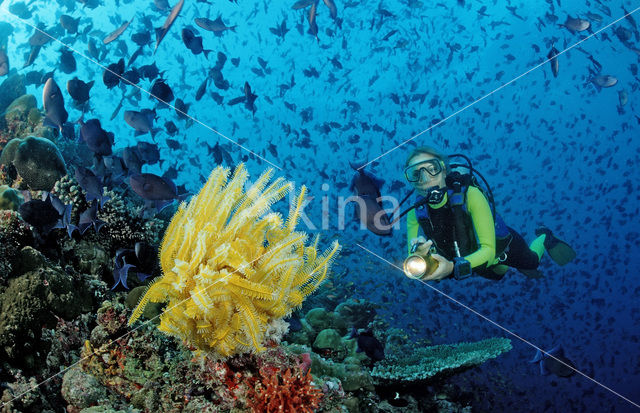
230 266
284 392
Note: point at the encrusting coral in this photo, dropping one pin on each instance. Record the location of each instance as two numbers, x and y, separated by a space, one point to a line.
230 266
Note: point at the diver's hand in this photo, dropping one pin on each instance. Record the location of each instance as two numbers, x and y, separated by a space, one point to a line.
445 268
423 248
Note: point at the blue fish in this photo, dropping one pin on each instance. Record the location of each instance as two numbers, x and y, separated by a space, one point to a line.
559 364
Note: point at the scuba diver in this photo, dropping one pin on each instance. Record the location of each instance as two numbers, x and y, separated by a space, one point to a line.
463 233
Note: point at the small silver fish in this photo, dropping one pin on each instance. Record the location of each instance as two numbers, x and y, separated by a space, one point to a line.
623 97
576 24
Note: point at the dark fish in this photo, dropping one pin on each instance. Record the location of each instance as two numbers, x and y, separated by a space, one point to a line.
149 72
370 211
64 211
132 160
113 72
553 61
302 4
368 343
41 215
39 38
215 152
141 121
131 76
97 139
69 23
216 26
117 32
89 219
33 77
559 364
148 152
193 42
33 53
4 63
280 30
218 79
173 144
249 103
67 61
91 184
162 31
118 107
135 55
79 90
142 38
157 189
182 109
218 98
171 128
115 167
20 9
121 269
630 18
313 26
202 89
161 5
53 102
162 91
333 10
92 48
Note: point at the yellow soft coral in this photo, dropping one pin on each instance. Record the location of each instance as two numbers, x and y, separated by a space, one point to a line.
230 267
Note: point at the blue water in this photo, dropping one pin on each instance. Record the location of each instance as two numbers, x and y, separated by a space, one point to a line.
555 150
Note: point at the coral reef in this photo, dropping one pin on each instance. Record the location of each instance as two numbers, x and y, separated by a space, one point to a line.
10 198
37 160
145 369
410 363
22 118
11 89
259 267
124 225
14 234
37 294
278 391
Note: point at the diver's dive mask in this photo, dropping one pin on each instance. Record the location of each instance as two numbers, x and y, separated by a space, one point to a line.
433 167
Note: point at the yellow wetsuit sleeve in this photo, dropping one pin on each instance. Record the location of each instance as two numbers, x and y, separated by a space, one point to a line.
412 228
482 219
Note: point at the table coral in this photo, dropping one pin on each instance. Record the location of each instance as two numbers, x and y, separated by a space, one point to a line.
230 266
408 363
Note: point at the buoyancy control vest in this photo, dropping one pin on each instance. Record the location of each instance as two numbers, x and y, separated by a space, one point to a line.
453 222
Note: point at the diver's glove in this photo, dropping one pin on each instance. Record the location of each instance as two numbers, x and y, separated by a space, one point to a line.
445 267
421 248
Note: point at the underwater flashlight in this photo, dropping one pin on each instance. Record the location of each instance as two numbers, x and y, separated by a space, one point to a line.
417 266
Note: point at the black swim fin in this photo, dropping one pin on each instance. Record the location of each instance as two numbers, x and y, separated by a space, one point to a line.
533 274
559 251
